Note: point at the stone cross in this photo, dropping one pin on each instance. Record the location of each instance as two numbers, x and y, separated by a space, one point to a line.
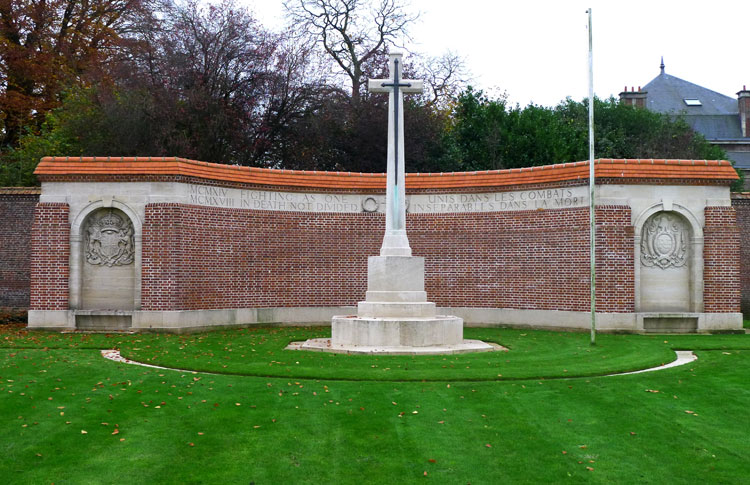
395 242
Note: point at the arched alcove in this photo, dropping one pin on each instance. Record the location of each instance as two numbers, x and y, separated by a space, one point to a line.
107 261
666 263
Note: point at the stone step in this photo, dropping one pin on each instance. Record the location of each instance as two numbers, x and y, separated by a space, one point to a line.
94 322
386 309
670 324
395 332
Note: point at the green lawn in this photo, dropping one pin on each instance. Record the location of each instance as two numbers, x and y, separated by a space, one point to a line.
70 416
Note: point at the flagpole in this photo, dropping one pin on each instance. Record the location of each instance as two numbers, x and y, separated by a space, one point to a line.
592 216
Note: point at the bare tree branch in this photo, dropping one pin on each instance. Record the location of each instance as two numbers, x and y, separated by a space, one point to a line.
351 32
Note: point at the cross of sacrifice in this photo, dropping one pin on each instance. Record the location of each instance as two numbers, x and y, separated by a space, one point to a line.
395 219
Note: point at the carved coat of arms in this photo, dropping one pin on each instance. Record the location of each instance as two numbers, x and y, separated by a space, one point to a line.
664 241
109 240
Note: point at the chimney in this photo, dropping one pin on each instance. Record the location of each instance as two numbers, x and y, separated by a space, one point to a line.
635 98
743 100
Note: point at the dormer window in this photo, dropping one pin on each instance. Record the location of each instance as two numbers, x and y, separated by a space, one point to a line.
693 102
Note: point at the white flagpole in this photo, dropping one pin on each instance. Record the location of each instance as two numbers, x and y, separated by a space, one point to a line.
592 217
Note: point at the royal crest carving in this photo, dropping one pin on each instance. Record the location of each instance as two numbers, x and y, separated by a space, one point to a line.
664 242
109 239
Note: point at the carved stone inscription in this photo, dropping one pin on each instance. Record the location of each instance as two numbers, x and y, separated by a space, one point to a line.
538 199
109 239
664 242
518 200
274 201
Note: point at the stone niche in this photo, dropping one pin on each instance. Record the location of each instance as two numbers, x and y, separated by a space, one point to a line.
108 261
667 273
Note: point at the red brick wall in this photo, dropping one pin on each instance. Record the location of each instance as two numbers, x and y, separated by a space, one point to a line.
742 207
615 253
50 256
200 257
16 218
721 255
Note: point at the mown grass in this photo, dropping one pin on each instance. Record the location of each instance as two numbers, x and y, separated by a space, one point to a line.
683 425
260 351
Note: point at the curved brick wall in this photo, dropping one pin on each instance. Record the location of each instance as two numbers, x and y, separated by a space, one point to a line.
228 258
204 247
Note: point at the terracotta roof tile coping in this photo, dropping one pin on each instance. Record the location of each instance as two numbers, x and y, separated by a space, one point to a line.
20 190
720 171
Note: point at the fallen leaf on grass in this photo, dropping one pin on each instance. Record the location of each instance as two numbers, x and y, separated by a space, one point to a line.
83 431
589 469
117 431
652 390
488 445
432 460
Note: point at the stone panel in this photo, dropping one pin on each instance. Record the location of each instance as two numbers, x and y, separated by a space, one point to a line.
665 263
108 273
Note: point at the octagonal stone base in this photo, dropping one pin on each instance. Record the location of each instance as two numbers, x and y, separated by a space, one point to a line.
325 345
396 336
397 331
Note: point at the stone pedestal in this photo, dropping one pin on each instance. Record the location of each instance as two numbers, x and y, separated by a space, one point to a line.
396 311
396 317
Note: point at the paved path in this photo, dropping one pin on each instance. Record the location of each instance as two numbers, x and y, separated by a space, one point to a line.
683 357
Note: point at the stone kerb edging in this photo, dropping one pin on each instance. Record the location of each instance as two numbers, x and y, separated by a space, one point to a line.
683 357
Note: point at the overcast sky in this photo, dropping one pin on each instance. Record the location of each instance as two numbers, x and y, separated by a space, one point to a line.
537 50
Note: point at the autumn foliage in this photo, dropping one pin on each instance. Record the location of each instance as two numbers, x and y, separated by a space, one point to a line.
47 46
207 81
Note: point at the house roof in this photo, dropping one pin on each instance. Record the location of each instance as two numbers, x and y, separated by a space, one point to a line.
740 159
716 127
667 94
84 168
